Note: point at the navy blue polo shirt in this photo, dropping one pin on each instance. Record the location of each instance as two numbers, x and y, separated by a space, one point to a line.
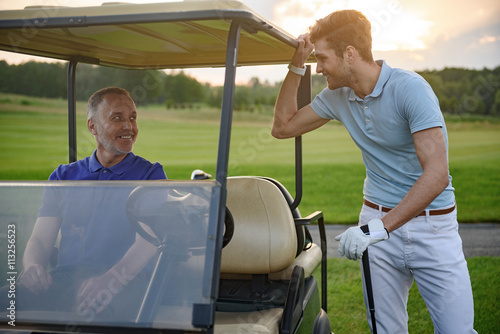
132 167
95 230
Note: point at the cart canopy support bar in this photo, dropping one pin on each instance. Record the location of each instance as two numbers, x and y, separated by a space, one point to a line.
72 109
72 102
303 99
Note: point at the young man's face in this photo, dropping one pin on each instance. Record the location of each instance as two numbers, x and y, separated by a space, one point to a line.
334 68
115 124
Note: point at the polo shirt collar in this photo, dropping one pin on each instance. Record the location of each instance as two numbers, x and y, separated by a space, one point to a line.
119 168
384 75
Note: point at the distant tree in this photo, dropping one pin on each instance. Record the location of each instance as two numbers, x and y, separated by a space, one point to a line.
495 109
262 93
318 84
5 74
213 96
181 89
36 79
463 90
242 98
144 86
458 90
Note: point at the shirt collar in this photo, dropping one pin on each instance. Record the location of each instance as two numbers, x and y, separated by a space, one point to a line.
119 168
384 75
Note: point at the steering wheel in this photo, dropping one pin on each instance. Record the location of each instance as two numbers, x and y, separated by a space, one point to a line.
150 222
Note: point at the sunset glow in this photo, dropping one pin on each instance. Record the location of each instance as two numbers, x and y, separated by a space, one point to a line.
409 34
394 27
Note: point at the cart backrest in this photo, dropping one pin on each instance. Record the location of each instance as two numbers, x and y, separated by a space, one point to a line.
264 239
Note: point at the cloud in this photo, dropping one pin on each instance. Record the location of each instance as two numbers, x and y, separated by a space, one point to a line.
451 19
394 27
474 49
483 41
488 39
409 34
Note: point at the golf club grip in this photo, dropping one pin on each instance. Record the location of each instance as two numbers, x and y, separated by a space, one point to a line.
365 229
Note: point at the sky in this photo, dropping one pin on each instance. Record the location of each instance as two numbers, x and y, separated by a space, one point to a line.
415 35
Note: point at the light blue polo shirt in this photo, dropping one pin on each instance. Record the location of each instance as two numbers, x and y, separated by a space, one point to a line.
382 125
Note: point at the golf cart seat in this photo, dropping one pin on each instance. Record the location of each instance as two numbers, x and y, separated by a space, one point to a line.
264 284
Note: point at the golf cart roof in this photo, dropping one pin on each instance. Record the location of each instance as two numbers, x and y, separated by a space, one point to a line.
142 36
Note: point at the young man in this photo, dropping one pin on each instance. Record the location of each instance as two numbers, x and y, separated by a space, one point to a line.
100 254
394 118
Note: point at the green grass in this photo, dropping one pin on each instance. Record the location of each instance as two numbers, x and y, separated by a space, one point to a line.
346 308
33 133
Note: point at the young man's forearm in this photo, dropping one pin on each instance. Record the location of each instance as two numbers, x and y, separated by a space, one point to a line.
423 192
286 105
429 185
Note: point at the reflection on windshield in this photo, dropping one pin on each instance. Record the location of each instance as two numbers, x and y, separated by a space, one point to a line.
119 253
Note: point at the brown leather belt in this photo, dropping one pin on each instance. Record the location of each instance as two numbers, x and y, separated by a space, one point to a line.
431 212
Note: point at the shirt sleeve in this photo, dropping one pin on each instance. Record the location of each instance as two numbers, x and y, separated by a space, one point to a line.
157 172
420 106
51 200
54 176
322 105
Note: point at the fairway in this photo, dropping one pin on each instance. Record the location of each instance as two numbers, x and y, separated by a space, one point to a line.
34 138
347 312
33 133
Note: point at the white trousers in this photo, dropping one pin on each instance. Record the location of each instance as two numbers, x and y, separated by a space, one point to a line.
427 249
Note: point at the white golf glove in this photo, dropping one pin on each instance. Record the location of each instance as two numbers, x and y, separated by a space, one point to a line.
353 242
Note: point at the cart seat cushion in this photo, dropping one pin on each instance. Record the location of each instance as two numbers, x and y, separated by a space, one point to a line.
309 260
264 239
265 321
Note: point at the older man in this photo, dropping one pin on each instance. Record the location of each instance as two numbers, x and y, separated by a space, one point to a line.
100 254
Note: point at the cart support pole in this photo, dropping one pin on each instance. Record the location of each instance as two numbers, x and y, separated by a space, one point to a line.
223 152
303 99
227 103
72 109
72 101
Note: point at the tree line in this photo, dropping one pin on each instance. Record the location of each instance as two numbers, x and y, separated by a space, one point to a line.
460 91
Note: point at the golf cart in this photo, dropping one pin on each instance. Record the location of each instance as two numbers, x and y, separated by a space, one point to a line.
233 253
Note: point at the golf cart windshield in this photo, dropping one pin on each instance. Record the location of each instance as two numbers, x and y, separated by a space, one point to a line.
177 220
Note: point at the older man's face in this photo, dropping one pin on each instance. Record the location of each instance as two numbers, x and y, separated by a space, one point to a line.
116 124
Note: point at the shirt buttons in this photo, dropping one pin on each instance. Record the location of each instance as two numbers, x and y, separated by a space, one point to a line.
367 120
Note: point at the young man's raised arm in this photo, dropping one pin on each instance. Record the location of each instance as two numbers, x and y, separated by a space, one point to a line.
288 120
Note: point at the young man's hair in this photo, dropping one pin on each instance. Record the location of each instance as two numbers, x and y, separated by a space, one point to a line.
345 28
96 99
